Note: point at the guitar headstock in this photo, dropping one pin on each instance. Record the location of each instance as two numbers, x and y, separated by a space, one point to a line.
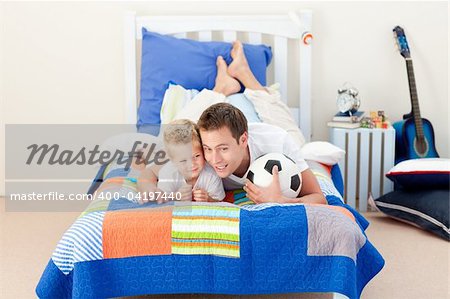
402 43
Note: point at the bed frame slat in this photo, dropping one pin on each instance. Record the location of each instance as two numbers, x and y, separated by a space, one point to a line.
304 20
255 38
205 36
229 36
281 64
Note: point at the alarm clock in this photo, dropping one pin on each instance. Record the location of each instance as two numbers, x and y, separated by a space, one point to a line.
348 100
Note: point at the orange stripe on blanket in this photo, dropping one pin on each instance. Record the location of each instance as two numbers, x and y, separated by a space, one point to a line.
137 233
336 208
116 180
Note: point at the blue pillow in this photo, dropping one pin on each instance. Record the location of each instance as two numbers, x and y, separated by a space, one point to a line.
190 63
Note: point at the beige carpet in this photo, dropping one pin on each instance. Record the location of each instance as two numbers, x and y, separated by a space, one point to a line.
417 263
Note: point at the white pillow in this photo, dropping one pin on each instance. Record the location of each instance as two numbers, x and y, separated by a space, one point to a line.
195 107
322 152
422 165
175 99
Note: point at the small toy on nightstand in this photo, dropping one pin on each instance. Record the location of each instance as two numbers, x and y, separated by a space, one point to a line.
377 119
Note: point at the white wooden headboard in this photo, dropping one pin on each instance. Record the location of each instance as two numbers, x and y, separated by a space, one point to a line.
282 32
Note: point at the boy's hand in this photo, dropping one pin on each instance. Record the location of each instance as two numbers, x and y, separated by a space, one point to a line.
272 193
186 192
147 185
201 195
145 193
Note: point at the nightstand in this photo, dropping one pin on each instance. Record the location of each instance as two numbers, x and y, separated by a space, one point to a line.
369 155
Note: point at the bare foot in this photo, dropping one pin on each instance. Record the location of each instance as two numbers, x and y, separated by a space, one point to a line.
240 69
239 66
225 84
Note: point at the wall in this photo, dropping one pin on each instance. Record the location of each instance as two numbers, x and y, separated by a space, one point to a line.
62 62
2 106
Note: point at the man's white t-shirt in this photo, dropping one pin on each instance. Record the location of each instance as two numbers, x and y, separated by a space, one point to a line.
264 139
170 180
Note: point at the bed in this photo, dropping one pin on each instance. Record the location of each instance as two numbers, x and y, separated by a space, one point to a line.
119 248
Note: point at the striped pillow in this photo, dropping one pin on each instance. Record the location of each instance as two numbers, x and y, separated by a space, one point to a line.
430 173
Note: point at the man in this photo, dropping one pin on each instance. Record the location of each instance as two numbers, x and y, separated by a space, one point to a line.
230 145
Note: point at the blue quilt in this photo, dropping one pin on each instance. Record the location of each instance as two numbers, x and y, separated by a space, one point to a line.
120 248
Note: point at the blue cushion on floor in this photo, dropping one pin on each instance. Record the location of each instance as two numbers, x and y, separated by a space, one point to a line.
428 209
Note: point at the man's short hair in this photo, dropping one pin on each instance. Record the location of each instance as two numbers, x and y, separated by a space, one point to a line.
222 115
181 131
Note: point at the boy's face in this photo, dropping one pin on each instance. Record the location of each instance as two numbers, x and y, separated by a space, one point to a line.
188 158
222 151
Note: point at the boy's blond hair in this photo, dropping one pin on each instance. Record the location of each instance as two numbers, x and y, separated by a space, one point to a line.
181 131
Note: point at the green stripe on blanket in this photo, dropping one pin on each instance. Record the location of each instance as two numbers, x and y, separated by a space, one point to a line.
206 229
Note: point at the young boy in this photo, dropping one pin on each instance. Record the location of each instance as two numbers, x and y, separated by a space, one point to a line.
187 173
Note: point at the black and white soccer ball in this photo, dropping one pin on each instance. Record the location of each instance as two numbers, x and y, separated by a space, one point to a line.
260 173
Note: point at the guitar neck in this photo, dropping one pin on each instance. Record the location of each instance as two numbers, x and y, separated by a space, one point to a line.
414 99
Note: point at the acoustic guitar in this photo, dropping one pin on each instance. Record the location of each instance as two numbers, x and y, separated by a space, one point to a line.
414 136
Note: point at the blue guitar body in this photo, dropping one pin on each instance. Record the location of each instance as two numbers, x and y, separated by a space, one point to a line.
406 141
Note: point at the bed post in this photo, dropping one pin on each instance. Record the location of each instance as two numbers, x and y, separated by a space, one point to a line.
304 20
130 67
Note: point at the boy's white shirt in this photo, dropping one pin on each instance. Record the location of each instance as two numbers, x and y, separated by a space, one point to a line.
264 139
171 180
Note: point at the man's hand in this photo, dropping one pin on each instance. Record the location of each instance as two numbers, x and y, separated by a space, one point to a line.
201 195
271 193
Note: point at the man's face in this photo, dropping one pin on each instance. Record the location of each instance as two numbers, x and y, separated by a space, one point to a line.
222 151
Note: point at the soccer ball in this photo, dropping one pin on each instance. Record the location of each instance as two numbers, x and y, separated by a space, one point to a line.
260 173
